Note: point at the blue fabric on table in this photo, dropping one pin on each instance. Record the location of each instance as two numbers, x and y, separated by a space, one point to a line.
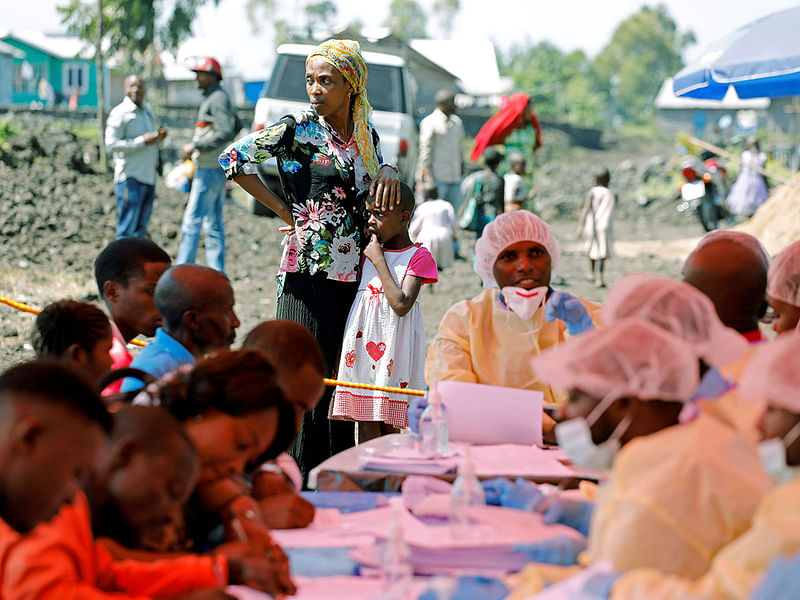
474 588
321 562
348 502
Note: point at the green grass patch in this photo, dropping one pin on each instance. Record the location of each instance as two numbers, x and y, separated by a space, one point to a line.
86 130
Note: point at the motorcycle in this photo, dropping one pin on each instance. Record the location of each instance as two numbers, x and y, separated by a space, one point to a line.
704 189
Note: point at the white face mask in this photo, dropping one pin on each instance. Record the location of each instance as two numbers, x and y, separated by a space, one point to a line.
575 438
773 455
524 303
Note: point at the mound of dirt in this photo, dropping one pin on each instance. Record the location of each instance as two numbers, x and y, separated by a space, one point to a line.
777 222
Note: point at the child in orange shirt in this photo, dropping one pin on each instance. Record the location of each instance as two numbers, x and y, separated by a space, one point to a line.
52 424
145 474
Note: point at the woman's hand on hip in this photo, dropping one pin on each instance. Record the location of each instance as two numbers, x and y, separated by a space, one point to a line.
385 189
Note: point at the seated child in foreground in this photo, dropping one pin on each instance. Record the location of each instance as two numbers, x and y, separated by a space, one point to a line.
76 333
146 471
52 424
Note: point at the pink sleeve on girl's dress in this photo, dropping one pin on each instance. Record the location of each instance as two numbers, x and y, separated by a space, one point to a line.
422 265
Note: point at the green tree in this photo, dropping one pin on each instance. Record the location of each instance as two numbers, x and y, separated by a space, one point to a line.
645 49
130 27
406 19
317 15
445 12
560 84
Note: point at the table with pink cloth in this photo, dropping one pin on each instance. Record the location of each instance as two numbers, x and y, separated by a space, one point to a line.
368 467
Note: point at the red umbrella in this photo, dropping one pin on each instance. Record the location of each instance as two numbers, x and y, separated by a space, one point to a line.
508 118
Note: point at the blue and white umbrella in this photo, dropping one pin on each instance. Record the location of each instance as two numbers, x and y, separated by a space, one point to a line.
760 60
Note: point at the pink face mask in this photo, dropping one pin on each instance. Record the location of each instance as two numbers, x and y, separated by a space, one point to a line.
524 303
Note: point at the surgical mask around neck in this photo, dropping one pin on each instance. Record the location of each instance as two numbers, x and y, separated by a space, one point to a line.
524 303
773 455
712 385
575 438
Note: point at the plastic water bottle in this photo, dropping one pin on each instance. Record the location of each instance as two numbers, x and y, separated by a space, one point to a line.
434 437
467 492
396 568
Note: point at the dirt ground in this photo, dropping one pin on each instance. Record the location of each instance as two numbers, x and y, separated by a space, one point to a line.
57 219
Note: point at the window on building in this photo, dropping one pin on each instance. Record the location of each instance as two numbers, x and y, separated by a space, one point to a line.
26 77
75 76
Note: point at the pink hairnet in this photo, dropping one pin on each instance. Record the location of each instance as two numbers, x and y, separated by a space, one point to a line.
783 277
739 237
630 358
508 229
679 308
773 374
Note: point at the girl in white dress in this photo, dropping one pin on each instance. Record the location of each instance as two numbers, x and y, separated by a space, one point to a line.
596 225
384 342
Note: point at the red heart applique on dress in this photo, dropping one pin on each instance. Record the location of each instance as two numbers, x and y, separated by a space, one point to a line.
376 350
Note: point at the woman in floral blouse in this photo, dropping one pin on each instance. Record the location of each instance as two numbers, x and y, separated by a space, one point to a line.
326 156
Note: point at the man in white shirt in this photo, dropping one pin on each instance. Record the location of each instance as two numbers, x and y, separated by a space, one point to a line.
441 138
132 139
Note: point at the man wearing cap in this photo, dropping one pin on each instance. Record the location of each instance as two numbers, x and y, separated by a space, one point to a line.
216 126
441 137
132 138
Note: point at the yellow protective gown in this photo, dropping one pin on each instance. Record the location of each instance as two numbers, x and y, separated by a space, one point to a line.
480 341
743 414
737 568
674 498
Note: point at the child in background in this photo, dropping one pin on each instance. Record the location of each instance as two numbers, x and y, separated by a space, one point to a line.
180 177
434 226
783 289
596 225
384 341
516 192
75 333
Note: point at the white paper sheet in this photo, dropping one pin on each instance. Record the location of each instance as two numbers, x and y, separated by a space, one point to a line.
512 460
340 587
489 414
402 455
488 545
329 529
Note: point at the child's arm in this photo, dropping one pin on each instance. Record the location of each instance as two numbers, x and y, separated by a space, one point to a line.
401 299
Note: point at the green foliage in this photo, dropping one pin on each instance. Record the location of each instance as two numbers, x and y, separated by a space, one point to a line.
622 80
8 129
445 12
129 26
406 19
560 84
644 50
86 130
318 14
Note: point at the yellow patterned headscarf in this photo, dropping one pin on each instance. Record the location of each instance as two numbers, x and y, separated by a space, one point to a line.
345 55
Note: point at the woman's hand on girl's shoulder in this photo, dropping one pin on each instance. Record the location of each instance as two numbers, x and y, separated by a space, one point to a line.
385 188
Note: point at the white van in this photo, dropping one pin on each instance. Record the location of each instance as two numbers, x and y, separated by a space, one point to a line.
391 91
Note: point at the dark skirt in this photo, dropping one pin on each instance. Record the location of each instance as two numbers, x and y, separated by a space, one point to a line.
322 305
